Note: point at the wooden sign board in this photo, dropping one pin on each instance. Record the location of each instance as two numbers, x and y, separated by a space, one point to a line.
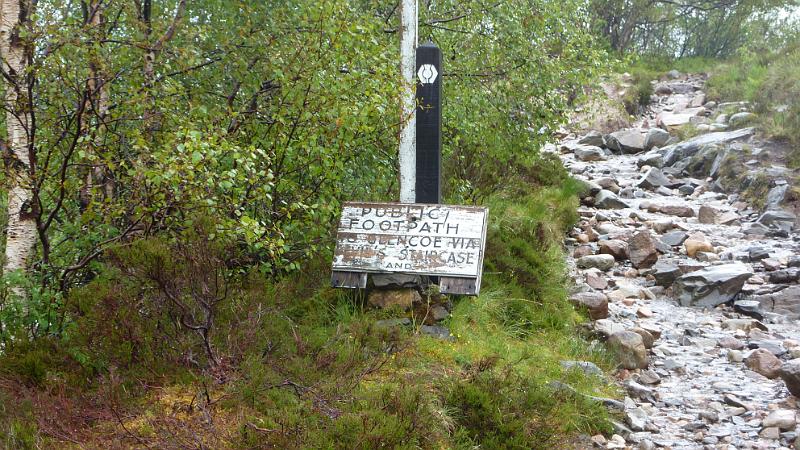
418 239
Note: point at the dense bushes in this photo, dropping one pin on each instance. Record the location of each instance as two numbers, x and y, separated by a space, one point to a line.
180 298
295 364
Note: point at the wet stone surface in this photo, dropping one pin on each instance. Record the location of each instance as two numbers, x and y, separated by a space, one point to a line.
696 388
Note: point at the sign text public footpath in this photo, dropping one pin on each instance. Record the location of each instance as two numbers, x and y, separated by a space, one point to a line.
435 240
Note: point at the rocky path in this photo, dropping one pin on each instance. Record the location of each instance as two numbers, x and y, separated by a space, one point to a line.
694 290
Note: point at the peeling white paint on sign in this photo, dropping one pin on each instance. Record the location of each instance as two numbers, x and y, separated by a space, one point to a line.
436 240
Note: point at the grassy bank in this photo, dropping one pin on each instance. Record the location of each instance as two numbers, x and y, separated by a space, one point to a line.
296 364
765 79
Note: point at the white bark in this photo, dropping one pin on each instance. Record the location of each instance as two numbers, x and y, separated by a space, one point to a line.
408 130
22 235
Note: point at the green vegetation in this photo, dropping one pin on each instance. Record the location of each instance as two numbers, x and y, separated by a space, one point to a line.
296 364
698 28
181 172
187 167
768 81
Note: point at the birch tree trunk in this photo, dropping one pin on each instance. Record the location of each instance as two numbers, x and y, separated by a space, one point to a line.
19 160
97 174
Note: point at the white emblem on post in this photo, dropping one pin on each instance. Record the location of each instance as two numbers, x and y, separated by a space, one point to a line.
427 73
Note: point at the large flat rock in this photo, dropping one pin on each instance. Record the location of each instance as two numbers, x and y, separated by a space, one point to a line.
711 286
691 146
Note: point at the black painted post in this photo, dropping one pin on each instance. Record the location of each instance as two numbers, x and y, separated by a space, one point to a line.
429 124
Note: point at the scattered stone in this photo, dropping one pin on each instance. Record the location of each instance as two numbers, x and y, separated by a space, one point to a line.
594 138
608 183
746 325
665 273
648 376
758 253
647 338
595 302
655 137
616 442
616 248
654 330
784 419
401 298
771 433
689 147
598 440
644 312
629 349
777 217
790 374
602 262
607 327
707 214
637 419
706 257
608 200
750 308
587 187
436 331
625 141
662 226
784 276
770 264
439 313
653 179
672 210
735 356
391 323
763 362
642 250
711 286
698 100
728 218
733 400
674 238
581 251
697 242
588 153
587 367
652 159
730 342
596 280
740 118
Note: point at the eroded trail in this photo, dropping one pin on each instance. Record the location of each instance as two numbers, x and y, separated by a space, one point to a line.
703 280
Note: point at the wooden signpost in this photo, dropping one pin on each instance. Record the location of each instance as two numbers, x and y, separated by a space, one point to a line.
443 243
414 239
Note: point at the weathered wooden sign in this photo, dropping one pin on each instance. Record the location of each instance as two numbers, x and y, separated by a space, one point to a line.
421 239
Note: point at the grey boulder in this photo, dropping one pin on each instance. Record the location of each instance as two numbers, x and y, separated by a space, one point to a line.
689 147
595 302
594 138
606 199
589 153
652 159
790 374
625 141
711 286
602 262
653 179
656 137
629 349
674 238
642 250
665 273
